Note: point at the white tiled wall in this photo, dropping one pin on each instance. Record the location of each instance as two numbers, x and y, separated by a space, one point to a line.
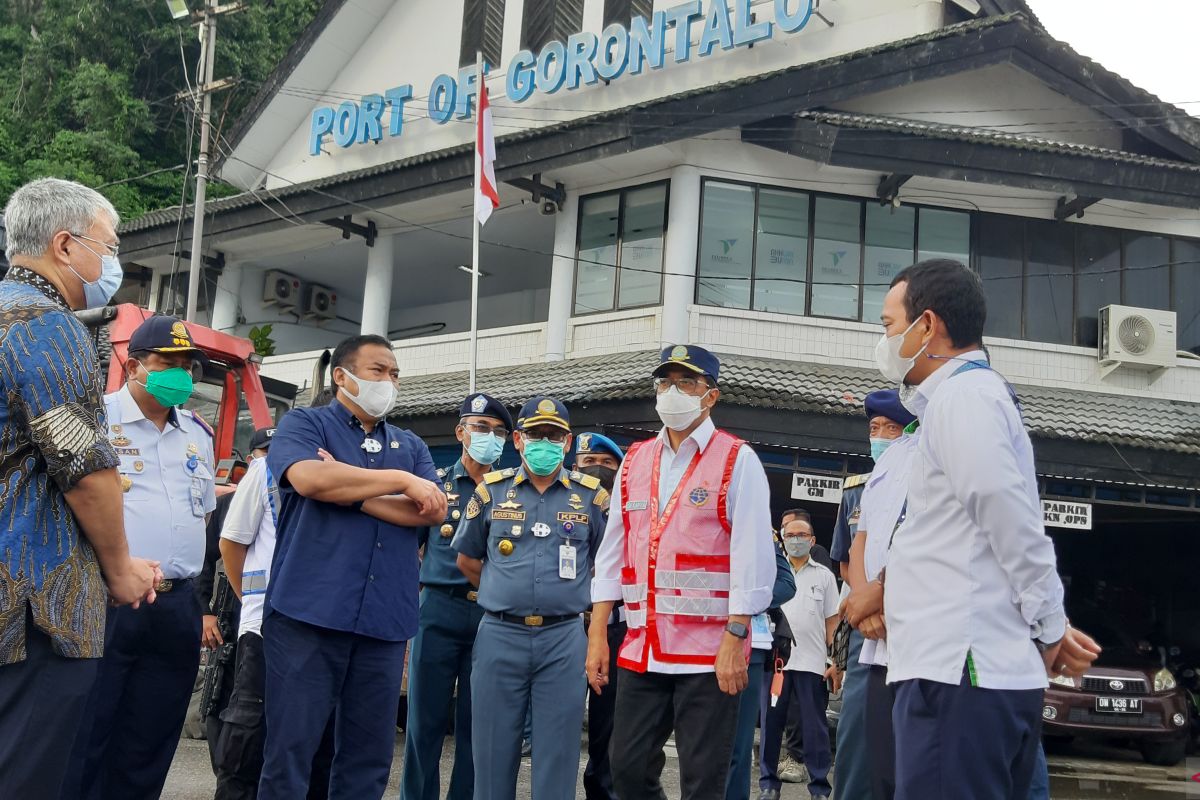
618 332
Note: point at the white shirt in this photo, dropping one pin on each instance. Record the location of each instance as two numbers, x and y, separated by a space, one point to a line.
815 602
751 545
971 569
882 504
251 521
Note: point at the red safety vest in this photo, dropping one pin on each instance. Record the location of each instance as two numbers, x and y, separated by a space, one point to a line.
675 579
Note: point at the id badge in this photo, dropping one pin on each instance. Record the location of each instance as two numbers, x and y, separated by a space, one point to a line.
566 562
197 494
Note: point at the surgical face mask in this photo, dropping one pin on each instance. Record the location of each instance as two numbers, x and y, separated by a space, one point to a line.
912 399
375 398
170 387
542 456
606 475
97 293
797 546
878 446
893 366
485 448
678 410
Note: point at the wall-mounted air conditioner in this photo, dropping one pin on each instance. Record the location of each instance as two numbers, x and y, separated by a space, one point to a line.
1136 338
281 289
320 302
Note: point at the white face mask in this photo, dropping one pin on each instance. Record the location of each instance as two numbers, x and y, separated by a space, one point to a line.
678 410
893 366
375 398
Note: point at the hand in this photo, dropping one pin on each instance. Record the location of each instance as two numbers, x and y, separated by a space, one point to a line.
866 602
1072 655
210 634
834 676
325 455
733 673
428 496
597 662
873 627
135 583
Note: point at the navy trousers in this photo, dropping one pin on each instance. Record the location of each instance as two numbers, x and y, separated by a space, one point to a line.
311 673
853 768
42 700
597 775
965 742
139 701
808 690
737 784
440 660
881 741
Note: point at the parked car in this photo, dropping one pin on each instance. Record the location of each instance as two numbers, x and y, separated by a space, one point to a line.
1129 694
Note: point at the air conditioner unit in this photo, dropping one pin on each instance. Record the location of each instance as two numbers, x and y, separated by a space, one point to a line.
1136 338
320 302
281 289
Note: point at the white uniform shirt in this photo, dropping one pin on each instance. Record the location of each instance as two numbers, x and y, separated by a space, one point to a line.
168 480
971 569
251 521
882 504
751 546
816 600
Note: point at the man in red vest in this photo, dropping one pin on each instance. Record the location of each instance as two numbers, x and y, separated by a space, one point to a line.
688 548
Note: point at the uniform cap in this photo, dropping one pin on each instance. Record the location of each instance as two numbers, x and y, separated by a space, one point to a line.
482 405
690 357
163 334
886 403
597 444
543 411
261 440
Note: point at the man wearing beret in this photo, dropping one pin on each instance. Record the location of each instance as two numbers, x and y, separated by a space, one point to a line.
449 618
528 540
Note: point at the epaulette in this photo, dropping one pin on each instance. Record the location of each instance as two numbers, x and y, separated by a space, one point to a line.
441 473
483 494
499 475
855 480
586 481
200 421
601 499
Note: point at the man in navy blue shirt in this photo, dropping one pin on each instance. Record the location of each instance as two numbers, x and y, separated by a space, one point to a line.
342 600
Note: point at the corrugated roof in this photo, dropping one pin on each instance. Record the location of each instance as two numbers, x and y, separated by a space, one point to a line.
1163 425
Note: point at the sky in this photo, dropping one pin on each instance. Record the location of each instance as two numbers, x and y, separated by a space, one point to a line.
1153 43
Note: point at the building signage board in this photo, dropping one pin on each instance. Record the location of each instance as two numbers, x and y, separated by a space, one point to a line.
583 60
1059 514
818 488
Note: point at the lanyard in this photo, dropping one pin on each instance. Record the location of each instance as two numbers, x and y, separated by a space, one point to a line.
971 365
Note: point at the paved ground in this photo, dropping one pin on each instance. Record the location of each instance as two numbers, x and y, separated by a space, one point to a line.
1080 772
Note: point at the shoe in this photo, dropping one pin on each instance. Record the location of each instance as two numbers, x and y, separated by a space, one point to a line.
768 794
791 772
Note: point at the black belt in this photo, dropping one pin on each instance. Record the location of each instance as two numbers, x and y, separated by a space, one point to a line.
167 585
533 621
461 592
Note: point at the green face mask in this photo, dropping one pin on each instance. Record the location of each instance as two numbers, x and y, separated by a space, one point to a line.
170 387
543 457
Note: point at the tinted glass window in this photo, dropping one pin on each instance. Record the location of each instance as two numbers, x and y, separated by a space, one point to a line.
944 234
1001 248
642 223
726 245
836 258
781 257
889 250
1048 282
1147 271
1187 293
1098 282
596 275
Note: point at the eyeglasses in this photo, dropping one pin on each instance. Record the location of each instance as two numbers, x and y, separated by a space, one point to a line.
113 249
687 385
484 429
558 437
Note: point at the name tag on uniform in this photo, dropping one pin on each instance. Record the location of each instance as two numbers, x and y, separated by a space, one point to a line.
566 562
254 582
197 494
637 505
510 516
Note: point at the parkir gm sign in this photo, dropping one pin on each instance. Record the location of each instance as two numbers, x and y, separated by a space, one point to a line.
583 60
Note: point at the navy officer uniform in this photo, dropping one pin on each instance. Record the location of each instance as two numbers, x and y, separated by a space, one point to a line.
152 653
537 550
442 649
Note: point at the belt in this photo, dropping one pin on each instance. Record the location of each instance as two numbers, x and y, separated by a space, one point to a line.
532 621
461 592
167 585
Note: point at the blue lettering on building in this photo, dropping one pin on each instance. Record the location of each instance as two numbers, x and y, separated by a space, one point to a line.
583 60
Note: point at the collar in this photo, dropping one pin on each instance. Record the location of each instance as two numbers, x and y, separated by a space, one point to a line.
132 412
702 435
19 274
920 396
347 418
458 471
522 476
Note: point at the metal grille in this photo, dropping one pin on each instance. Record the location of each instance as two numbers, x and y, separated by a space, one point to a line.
1084 717
544 21
483 30
1104 686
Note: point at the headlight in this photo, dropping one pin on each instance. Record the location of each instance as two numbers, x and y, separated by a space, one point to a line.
1164 681
1064 680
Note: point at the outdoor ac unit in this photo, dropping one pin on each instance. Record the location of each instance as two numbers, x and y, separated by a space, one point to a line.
1136 338
320 302
281 289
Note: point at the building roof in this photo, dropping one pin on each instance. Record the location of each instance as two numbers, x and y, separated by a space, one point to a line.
1160 425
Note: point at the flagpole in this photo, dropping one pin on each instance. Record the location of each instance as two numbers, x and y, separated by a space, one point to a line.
475 224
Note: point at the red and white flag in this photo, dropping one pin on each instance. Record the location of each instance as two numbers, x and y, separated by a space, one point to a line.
487 199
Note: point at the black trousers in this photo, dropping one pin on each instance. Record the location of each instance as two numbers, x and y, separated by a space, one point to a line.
881 740
649 706
42 700
597 776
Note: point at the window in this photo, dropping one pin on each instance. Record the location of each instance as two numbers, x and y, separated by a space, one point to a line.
620 251
1001 254
545 21
836 257
482 31
944 234
1097 279
781 252
726 253
1048 279
889 250
623 11
1186 258
1147 271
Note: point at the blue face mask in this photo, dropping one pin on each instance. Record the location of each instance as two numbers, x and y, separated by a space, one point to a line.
878 446
97 293
485 448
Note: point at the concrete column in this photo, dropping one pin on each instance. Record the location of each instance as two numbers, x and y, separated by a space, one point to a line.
562 280
679 254
229 295
377 288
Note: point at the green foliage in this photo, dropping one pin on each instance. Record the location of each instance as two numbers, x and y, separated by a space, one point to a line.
260 337
88 90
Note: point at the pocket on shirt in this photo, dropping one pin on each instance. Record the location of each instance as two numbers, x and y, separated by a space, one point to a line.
814 600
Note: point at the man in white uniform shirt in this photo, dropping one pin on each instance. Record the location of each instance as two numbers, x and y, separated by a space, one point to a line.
974 604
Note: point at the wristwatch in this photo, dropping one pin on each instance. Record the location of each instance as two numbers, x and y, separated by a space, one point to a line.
738 629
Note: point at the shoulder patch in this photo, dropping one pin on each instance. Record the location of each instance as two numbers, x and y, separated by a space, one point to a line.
499 475
200 421
586 481
855 480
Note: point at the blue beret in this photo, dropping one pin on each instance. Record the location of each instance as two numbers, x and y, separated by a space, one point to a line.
886 403
691 357
543 411
597 444
482 405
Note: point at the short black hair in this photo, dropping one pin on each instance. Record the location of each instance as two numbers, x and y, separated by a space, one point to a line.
952 291
322 398
348 348
799 513
139 355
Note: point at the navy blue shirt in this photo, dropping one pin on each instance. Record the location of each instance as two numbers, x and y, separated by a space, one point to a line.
335 566
847 519
439 566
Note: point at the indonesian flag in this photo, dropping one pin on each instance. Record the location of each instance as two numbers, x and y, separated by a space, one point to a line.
487 199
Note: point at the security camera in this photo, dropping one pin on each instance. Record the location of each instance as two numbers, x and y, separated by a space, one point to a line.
548 208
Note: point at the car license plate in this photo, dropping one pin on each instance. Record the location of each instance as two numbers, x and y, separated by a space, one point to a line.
1119 705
